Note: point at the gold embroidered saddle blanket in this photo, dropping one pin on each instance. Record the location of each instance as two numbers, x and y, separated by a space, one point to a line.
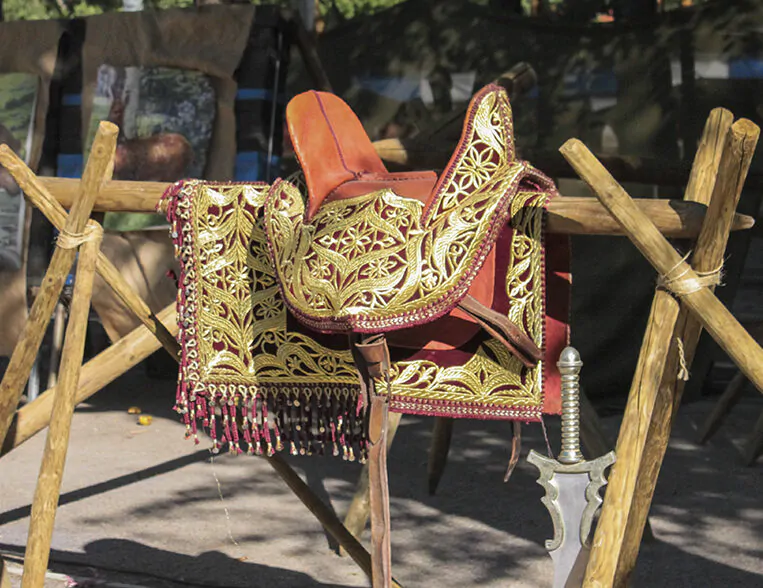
456 270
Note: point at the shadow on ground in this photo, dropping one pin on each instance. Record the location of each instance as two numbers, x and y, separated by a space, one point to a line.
122 561
149 510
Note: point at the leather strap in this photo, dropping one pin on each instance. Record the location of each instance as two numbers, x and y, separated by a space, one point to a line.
372 359
500 327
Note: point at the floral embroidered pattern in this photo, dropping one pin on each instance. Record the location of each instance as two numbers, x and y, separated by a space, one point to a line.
328 268
261 382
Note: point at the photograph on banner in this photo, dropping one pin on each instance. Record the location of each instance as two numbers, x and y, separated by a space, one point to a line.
18 101
165 117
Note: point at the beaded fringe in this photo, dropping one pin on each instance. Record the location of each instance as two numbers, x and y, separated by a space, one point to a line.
253 419
263 423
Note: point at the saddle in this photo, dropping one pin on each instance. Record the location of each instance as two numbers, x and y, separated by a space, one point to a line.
375 251
311 307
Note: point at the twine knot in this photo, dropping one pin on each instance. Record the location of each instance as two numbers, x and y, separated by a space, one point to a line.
679 283
69 240
683 371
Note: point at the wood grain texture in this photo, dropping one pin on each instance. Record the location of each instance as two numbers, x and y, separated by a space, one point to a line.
620 498
39 193
648 418
100 371
46 494
712 314
99 165
566 214
118 195
723 159
359 511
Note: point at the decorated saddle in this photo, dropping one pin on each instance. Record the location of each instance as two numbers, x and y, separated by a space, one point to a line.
282 284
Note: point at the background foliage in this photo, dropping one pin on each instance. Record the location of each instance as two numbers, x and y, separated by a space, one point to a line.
47 9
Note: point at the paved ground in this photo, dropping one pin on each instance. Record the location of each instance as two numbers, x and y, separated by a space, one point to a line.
140 506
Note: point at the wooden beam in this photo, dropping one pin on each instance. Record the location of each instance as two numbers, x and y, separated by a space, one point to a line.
722 326
101 159
643 404
37 191
439 448
726 402
737 151
100 371
566 215
625 168
646 425
45 503
5 577
754 446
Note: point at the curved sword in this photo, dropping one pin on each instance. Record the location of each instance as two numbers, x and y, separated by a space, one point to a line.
571 483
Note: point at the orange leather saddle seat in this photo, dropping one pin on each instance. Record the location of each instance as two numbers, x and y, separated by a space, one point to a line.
339 161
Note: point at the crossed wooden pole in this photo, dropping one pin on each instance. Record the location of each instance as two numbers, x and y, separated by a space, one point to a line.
645 222
55 407
683 305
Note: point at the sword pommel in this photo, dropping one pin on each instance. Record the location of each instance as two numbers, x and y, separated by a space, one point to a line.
569 365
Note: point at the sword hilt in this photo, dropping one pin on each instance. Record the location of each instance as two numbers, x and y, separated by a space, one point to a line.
569 365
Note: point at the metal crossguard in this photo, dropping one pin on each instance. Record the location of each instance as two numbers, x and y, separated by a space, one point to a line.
572 484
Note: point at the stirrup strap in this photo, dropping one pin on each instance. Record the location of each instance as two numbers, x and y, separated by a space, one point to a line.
372 359
500 327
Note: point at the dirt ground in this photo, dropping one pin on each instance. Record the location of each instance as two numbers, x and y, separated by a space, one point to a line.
141 506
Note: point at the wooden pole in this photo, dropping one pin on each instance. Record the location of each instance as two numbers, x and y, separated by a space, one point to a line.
735 150
566 215
431 154
442 433
324 514
725 403
610 539
54 457
357 515
59 322
36 190
100 371
646 426
754 445
101 160
5 577
716 318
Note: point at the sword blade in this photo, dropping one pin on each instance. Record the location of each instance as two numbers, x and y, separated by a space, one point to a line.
569 557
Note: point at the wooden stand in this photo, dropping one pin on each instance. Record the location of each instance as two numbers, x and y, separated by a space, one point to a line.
719 171
54 457
101 159
52 195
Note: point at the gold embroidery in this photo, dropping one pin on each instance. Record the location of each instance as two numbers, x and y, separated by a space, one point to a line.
374 256
241 315
493 377
244 341
380 259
